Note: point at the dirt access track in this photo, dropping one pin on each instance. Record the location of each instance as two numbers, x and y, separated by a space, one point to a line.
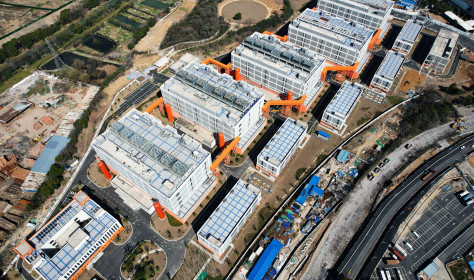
152 41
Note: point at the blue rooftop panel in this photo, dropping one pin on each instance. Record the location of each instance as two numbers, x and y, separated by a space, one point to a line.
410 31
229 212
282 142
303 195
264 262
54 147
345 99
390 65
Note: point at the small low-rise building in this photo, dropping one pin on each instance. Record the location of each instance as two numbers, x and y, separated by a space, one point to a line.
407 36
67 243
229 217
441 51
337 112
387 72
276 154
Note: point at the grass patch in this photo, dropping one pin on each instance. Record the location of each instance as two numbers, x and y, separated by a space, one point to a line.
218 277
172 220
395 99
20 75
264 215
460 270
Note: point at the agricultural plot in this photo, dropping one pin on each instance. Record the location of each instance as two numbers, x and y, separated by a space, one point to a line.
128 23
134 18
138 13
114 33
147 9
155 4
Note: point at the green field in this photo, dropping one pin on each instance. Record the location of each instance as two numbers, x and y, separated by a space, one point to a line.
155 4
138 13
147 9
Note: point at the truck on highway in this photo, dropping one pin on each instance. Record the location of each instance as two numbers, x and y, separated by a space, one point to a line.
428 174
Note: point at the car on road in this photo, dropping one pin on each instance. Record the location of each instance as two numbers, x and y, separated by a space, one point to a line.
376 170
386 160
462 147
382 164
408 146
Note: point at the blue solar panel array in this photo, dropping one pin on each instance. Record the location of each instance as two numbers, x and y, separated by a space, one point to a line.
231 210
410 31
282 142
63 260
390 65
345 99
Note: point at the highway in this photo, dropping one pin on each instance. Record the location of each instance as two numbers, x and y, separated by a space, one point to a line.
354 262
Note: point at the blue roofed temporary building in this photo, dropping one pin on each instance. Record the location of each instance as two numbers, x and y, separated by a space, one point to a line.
303 195
342 156
54 147
315 191
430 269
266 260
323 135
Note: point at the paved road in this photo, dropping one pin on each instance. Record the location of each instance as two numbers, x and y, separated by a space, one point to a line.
356 258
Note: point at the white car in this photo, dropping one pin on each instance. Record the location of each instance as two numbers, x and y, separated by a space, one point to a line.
462 147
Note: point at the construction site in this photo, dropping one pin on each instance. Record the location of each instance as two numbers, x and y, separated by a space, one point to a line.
39 108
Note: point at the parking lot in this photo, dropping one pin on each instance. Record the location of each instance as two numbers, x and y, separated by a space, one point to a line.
444 219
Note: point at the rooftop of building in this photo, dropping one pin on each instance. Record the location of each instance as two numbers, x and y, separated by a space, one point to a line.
282 56
379 5
282 142
65 239
205 87
444 44
391 64
11 113
55 146
345 99
410 31
348 33
151 150
229 212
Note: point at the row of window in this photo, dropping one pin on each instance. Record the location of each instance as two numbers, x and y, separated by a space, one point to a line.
351 15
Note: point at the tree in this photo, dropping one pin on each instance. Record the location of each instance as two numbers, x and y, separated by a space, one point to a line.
237 16
91 4
64 16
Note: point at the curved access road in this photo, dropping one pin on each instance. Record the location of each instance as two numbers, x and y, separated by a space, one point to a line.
354 261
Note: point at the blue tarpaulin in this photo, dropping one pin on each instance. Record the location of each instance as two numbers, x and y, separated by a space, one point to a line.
303 195
265 260
324 134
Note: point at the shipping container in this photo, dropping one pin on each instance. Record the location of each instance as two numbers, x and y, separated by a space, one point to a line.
392 262
428 174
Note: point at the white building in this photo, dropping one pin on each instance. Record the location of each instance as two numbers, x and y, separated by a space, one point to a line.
440 54
216 102
372 14
337 112
229 217
407 36
66 244
276 154
340 42
170 168
387 72
279 66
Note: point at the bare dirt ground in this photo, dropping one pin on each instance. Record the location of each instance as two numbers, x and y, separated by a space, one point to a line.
438 18
296 4
194 258
270 5
354 209
12 18
108 68
96 176
152 41
411 80
251 11
142 61
50 19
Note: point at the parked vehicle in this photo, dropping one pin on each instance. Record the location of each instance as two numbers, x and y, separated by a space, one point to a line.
376 170
386 160
408 146
428 174
381 164
392 262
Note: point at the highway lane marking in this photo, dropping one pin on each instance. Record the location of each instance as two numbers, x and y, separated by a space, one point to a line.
396 195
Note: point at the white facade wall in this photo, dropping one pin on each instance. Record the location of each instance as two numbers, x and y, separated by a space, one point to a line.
274 72
325 43
357 11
